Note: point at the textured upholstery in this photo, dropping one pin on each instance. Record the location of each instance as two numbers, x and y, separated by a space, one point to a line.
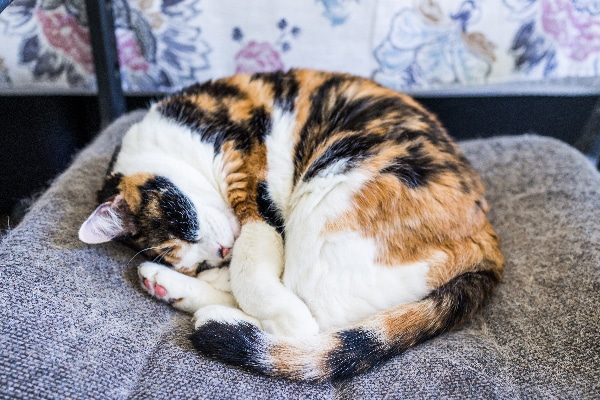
75 324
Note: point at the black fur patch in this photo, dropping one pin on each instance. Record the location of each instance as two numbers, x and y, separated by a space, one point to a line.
217 127
359 351
317 128
184 111
415 169
212 127
217 89
434 133
467 292
268 209
259 124
109 188
352 149
113 159
112 180
321 109
355 114
179 216
464 186
241 344
285 88
332 112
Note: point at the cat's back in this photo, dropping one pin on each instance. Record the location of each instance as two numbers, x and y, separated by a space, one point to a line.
303 130
319 112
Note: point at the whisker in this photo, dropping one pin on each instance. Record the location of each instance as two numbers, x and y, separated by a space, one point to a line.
143 250
159 257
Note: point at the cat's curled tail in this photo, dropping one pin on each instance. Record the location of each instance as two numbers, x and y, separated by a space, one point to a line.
342 354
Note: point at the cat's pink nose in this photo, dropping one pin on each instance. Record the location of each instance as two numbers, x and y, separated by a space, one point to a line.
223 251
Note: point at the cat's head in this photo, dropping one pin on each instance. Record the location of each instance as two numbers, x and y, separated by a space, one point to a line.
151 213
161 197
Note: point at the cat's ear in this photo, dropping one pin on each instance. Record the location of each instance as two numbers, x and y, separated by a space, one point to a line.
108 221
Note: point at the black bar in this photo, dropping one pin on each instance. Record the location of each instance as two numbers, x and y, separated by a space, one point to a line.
589 140
111 99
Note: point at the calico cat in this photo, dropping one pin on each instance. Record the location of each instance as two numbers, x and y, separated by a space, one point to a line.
316 224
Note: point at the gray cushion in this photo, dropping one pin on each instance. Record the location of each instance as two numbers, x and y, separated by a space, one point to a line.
75 324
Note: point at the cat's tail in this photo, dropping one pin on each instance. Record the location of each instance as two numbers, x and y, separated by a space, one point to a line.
338 355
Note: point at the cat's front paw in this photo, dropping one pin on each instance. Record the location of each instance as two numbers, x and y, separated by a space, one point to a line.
156 279
184 292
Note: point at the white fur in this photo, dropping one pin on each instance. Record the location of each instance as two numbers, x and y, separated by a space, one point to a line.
160 146
222 313
342 284
336 273
280 149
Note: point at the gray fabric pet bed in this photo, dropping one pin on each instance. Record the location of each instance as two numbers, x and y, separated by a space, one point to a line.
75 324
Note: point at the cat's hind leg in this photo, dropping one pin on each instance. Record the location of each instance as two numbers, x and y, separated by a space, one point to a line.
184 292
222 314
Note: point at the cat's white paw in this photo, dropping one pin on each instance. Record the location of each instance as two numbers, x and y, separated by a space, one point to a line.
158 281
183 292
167 285
222 313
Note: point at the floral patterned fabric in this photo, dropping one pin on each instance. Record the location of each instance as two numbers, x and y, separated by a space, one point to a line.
422 45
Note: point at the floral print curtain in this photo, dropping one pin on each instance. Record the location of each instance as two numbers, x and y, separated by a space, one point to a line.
415 45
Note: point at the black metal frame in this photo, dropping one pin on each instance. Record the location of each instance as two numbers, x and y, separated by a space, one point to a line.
111 99
589 140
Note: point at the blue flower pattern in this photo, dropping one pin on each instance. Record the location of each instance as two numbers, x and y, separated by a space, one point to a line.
173 49
591 7
337 11
425 48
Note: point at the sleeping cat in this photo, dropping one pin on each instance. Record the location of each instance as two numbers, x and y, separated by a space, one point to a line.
315 224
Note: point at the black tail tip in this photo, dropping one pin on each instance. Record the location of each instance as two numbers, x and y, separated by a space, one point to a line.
359 351
239 344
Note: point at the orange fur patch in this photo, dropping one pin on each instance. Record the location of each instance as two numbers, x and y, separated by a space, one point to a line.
243 172
409 320
129 188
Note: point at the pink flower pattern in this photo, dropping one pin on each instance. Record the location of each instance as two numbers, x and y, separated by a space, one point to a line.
163 46
258 57
54 43
576 31
130 54
263 56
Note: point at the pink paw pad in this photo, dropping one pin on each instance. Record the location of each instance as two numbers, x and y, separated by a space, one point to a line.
157 289
160 291
147 284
